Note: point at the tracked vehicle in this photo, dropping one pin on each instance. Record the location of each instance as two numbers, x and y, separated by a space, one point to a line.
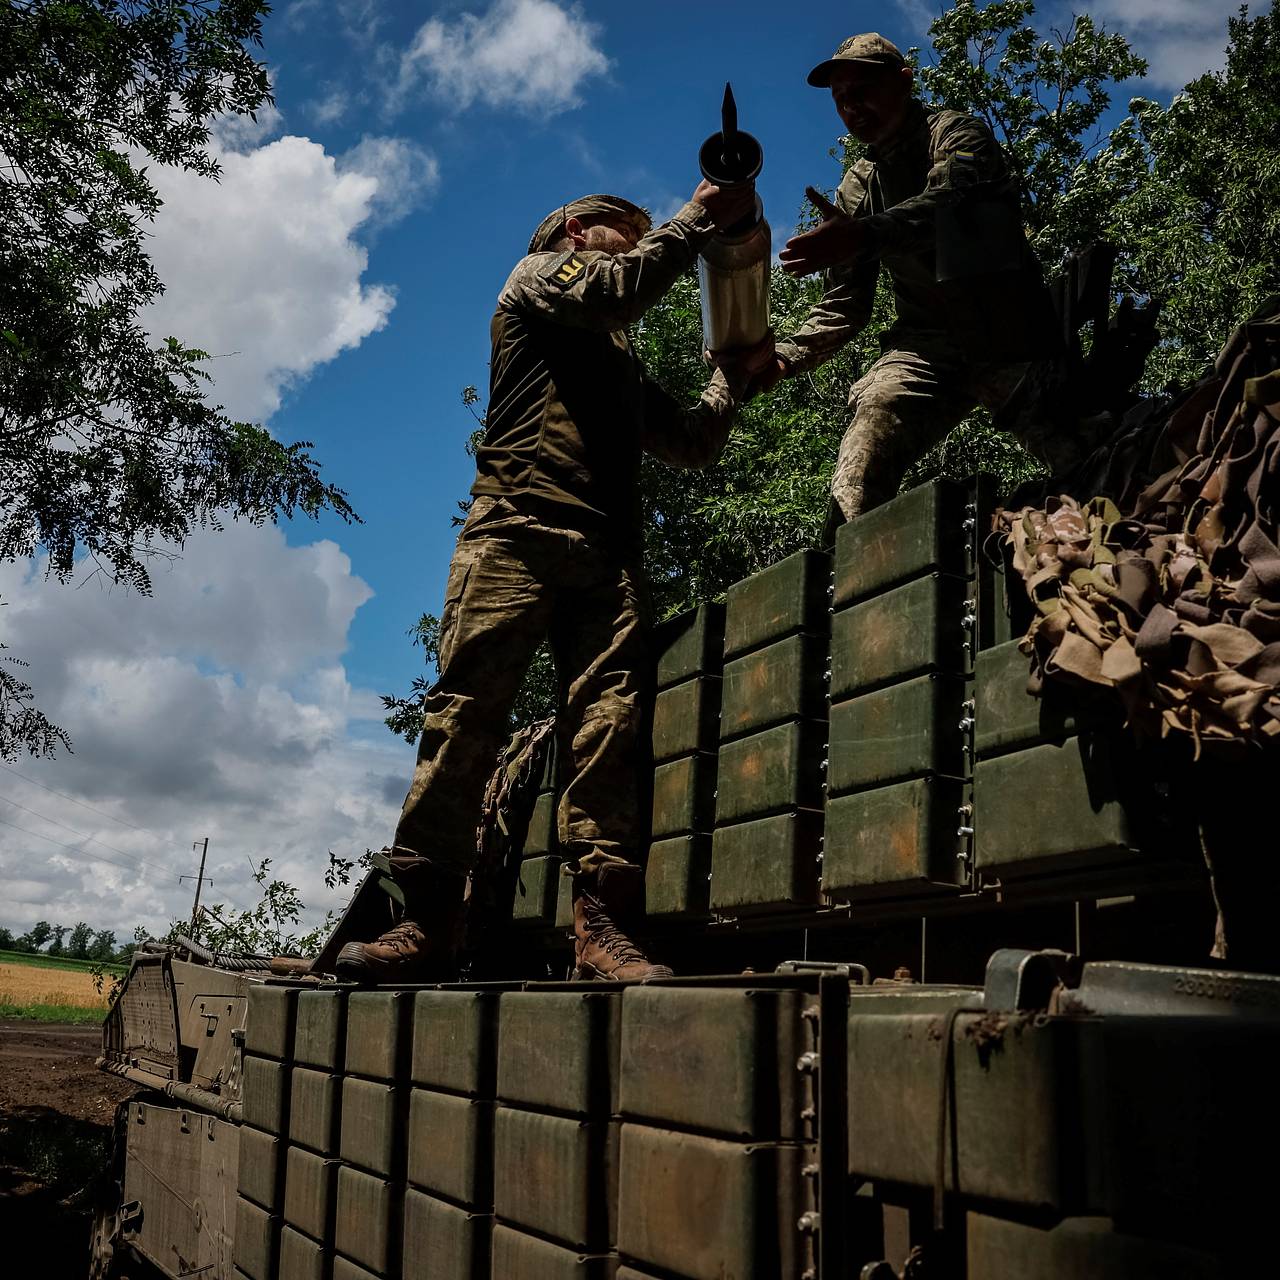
943 1009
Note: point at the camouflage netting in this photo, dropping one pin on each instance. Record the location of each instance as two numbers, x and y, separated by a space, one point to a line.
1170 594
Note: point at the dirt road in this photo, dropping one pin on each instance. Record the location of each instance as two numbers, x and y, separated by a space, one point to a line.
55 1117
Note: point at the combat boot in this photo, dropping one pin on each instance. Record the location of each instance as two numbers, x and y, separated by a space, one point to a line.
423 946
605 901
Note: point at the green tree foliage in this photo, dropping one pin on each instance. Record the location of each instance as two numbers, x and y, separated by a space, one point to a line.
1190 193
7 939
108 446
78 942
36 936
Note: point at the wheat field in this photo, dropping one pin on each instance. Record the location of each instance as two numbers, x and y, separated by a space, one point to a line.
29 984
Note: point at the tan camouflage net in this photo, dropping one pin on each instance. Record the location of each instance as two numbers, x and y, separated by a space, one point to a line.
1176 606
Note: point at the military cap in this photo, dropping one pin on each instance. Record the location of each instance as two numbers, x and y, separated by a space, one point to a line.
613 208
869 49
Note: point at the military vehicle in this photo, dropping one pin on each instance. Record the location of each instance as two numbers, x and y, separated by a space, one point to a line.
945 1011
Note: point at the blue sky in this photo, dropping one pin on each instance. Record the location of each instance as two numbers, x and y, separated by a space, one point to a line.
343 274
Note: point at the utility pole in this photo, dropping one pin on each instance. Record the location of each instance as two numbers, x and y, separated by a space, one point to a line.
199 879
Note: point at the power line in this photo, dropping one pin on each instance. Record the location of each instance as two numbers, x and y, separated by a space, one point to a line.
62 794
84 835
86 853
73 848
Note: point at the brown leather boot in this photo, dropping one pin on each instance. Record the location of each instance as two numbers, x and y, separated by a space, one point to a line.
423 946
604 902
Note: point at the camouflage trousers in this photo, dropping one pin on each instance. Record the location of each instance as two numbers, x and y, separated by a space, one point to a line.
905 404
515 580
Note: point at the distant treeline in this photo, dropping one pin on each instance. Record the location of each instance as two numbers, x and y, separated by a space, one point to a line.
78 942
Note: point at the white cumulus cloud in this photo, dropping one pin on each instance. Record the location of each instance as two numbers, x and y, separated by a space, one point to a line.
530 54
218 707
264 269
1180 39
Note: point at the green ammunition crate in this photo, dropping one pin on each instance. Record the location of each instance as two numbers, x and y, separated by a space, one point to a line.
676 877
379 1034
260 1168
1079 1249
517 1256
689 644
313 1110
451 1147
268 1030
264 1093
733 1052
455 1041
896 840
345 1269
257 1234
536 892
1016 1131
771 772
768 863
1052 809
686 718
311 1183
559 1049
368 1222
902 731
443 1242
918 532
564 901
908 631
787 597
784 681
321 1030
301 1258
706 1209
684 795
1178 1103
371 1122
556 1175
1008 718
541 836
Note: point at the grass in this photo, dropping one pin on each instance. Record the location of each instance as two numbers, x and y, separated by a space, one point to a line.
77 1014
40 961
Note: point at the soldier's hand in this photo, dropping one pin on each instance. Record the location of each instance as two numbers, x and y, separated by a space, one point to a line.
837 239
768 377
726 205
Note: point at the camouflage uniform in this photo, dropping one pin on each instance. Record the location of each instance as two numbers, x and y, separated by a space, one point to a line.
551 545
955 344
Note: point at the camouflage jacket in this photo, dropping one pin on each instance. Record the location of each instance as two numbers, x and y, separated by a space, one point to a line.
899 190
570 405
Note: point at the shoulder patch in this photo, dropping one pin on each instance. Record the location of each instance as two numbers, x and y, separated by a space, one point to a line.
565 269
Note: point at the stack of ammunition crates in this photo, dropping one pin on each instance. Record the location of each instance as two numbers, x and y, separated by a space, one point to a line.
768 1127
719 1122
685 735
555 1133
448 1203
773 738
901 657
539 886
264 1093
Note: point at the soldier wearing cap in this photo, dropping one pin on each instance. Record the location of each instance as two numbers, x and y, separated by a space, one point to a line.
550 549
934 202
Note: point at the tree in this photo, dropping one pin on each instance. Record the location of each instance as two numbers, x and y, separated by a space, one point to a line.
36 936
1191 195
108 447
57 932
78 942
103 947
7 939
